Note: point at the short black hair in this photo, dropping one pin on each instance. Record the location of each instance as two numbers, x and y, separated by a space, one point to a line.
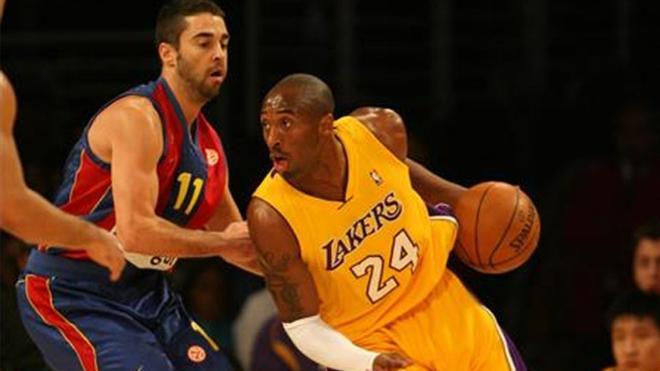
316 94
637 304
649 230
170 22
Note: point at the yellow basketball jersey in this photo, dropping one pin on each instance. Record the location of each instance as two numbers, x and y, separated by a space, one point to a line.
377 254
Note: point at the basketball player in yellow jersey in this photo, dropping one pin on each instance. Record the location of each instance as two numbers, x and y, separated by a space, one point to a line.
27 215
355 260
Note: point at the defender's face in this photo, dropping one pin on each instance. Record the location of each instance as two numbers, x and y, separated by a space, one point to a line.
202 54
292 136
636 344
646 265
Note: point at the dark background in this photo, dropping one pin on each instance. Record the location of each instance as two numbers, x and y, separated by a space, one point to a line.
533 92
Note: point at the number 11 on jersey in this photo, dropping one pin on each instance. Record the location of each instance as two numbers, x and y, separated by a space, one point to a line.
184 180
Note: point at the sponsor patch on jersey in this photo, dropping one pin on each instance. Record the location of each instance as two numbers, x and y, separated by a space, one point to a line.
212 156
196 354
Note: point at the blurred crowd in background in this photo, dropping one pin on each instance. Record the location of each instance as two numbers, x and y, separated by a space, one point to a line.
560 97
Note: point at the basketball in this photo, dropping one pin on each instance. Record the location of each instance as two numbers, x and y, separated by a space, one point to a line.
499 227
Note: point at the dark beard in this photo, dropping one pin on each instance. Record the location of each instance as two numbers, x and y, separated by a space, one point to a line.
196 87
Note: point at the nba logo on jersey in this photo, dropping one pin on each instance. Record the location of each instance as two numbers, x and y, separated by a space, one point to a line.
212 156
376 177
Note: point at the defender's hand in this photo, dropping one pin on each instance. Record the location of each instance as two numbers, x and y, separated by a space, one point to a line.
106 250
390 361
240 248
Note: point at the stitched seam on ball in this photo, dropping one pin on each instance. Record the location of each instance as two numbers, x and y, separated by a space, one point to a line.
476 225
506 231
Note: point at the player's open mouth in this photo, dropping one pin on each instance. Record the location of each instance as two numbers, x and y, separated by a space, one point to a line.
280 163
217 75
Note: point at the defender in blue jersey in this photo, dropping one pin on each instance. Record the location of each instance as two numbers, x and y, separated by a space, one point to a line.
150 167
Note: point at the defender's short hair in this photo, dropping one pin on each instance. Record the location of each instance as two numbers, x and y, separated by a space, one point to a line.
170 23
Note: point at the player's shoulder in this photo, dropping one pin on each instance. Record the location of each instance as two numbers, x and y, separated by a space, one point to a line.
262 212
387 126
127 121
379 120
130 110
268 227
133 105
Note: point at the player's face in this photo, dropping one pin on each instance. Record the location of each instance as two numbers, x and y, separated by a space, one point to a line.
202 54
646 265
292 136
636 343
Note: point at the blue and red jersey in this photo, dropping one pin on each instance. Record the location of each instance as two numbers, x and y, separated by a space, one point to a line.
192 171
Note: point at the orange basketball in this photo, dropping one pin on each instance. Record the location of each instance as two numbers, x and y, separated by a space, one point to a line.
499 227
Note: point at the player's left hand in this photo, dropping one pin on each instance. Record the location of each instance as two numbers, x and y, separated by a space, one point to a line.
106 250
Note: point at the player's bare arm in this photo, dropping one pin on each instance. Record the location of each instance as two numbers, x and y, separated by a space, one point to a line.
287 277
27 215
128 135
389 128
227 212
292 287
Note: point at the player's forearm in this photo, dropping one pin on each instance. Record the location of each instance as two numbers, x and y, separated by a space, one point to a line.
327 346
157 236
431 187
32 218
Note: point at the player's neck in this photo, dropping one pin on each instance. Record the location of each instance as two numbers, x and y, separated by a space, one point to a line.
329 177
189 103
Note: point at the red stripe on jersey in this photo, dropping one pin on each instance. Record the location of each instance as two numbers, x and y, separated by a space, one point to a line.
173 139
90 185
37 290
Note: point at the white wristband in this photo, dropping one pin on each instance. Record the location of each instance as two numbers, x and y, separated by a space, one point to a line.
327 346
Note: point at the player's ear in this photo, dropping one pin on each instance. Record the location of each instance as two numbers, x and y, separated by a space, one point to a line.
167 54
326 124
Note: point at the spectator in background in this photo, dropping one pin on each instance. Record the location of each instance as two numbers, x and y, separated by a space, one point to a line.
590 212
646 257
634 324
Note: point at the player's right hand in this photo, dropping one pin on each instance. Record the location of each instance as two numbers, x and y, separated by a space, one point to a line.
241 249
390 361
106 250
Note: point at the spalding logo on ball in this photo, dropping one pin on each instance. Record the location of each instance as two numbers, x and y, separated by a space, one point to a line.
499 227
